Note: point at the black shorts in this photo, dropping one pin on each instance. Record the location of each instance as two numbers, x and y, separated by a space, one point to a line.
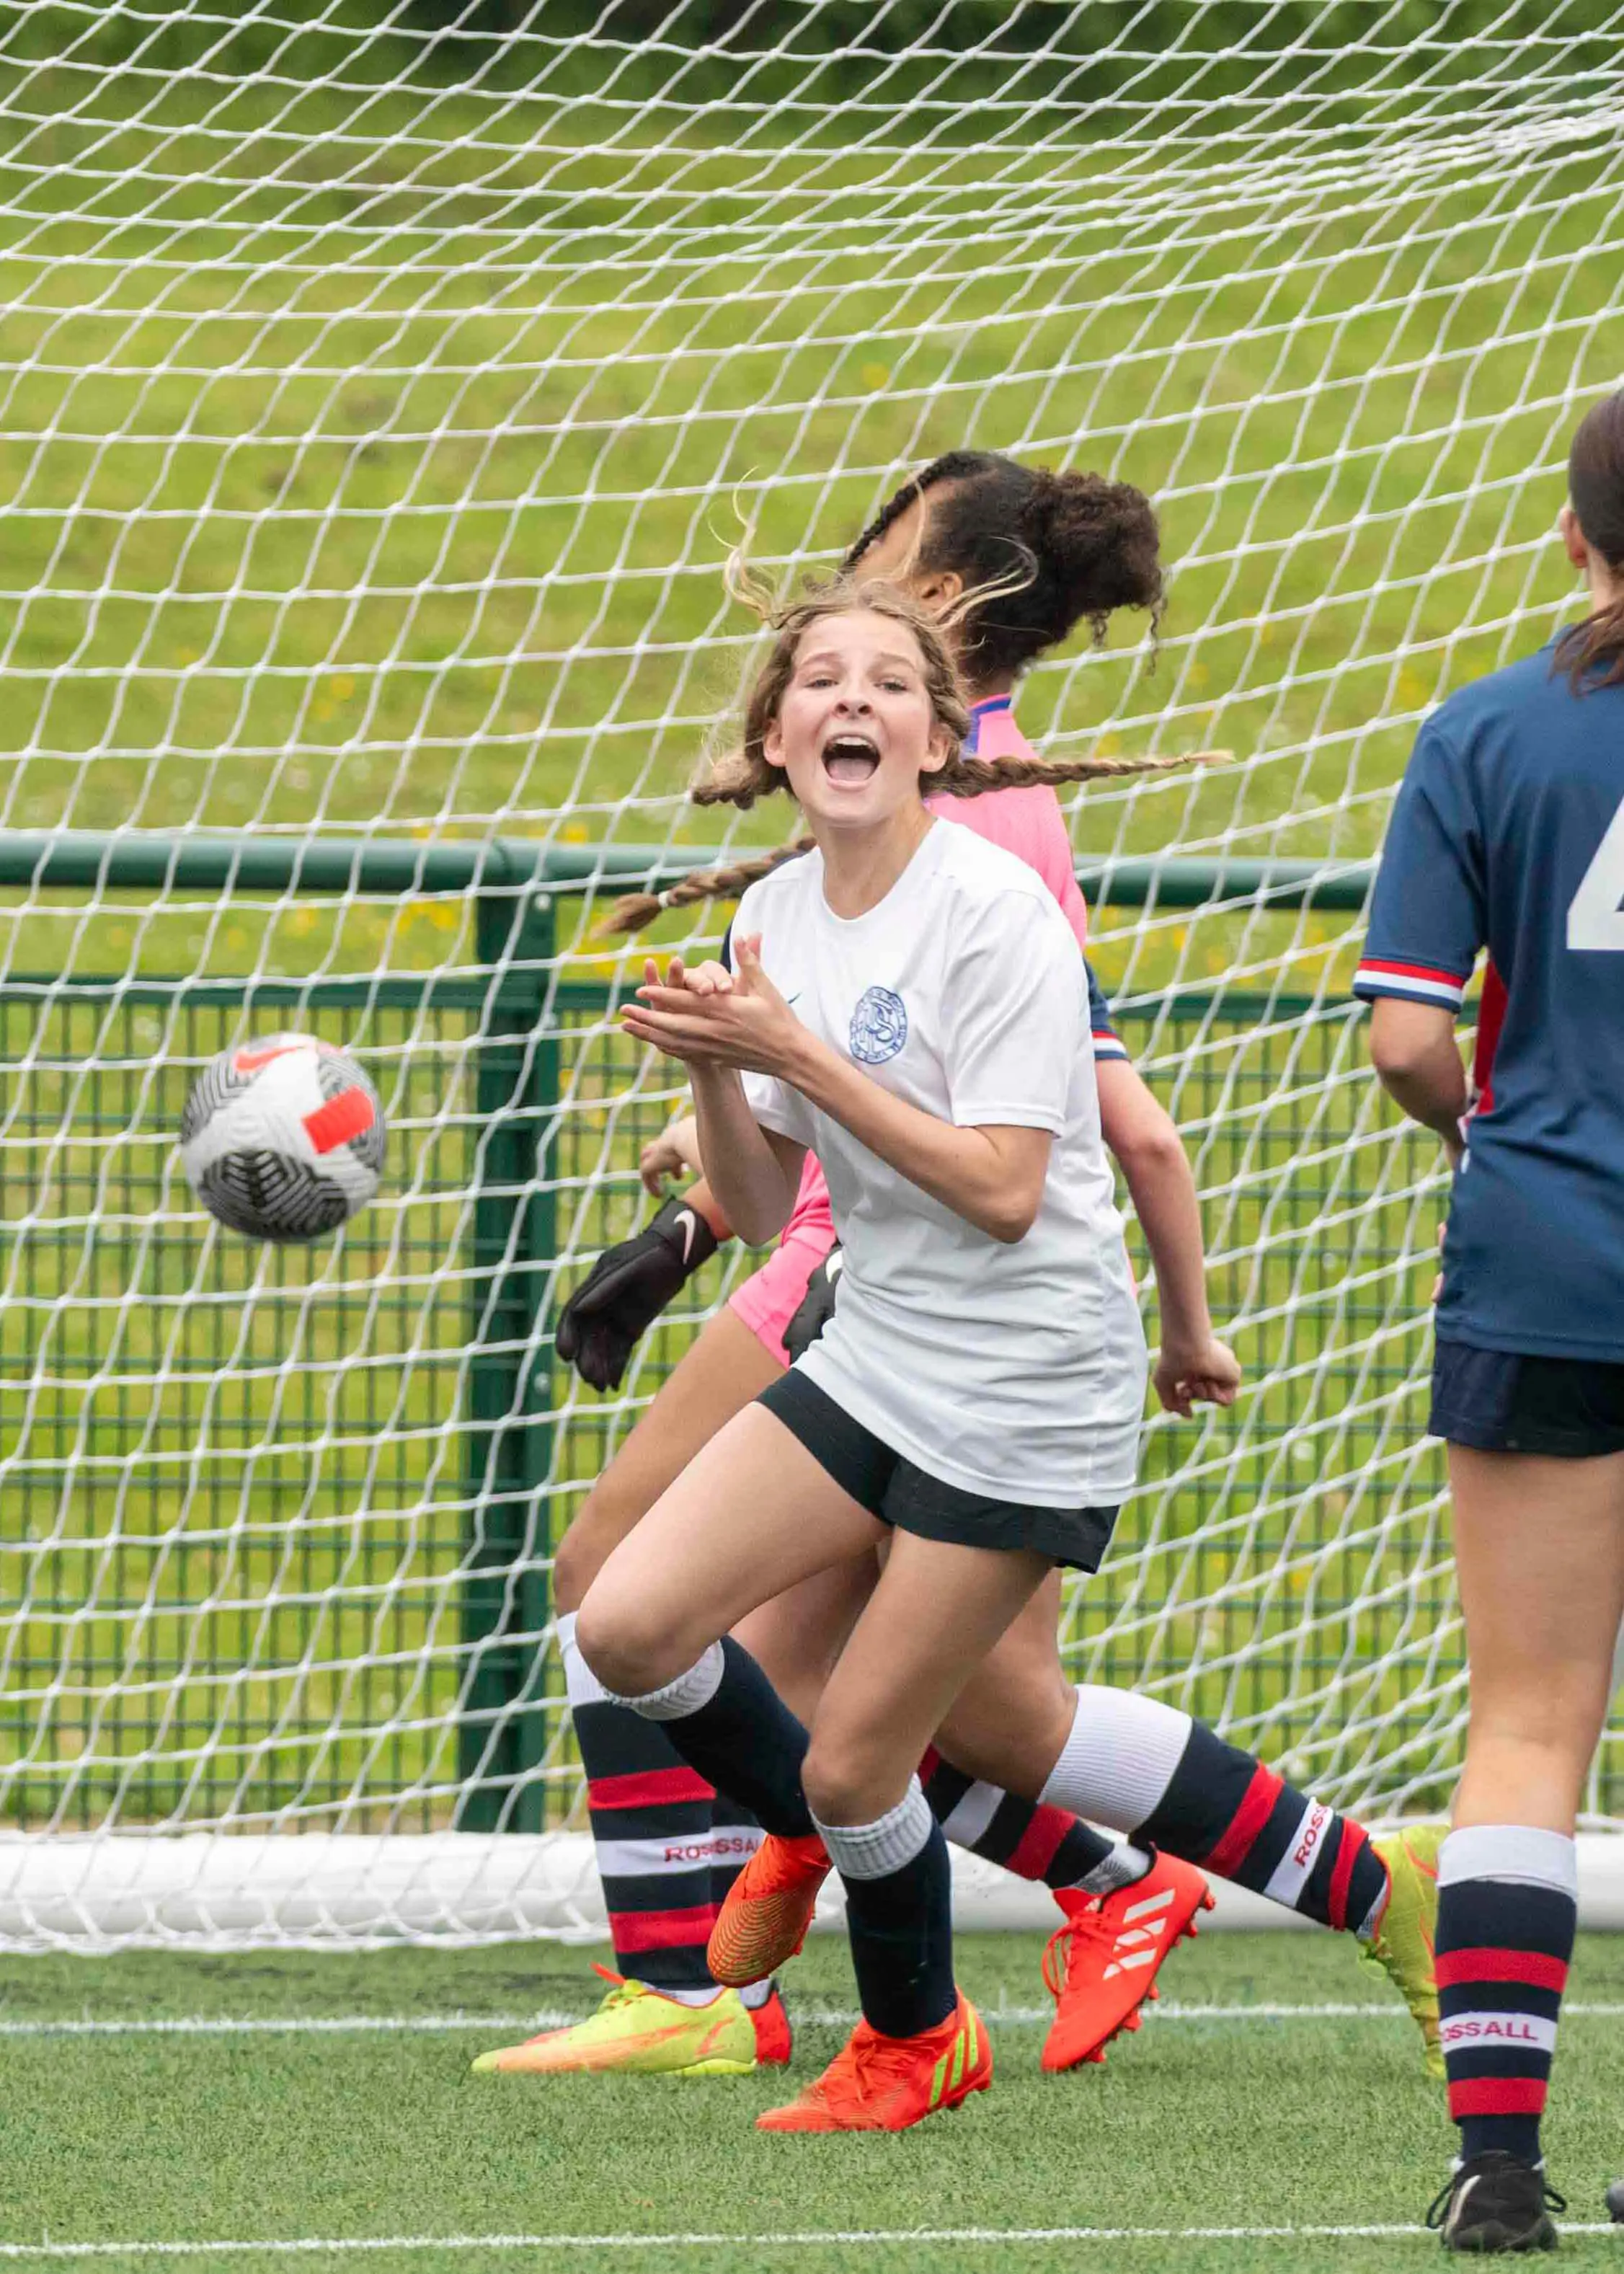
1498 1402
896 1492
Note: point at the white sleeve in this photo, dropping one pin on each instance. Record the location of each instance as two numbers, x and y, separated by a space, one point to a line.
1015 1015
773 1103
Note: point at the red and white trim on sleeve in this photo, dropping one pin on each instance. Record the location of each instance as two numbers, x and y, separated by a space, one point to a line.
1414 982
1108 1045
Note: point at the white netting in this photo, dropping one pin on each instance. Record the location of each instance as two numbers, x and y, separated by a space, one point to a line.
383 388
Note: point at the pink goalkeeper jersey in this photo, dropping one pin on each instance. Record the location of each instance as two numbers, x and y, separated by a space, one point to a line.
1026 822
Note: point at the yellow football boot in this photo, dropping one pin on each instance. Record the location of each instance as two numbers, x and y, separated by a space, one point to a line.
639 2032
1404 1947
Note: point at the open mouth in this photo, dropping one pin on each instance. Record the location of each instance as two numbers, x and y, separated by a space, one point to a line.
851 760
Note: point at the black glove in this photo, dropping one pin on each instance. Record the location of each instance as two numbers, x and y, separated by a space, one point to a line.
626 1291
816 1306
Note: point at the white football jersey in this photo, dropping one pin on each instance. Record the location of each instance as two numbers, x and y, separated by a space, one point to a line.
1016 1371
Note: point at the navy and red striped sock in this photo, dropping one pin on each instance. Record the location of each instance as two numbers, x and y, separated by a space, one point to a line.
1508 1909
1032 1842
1171 1782
651 1821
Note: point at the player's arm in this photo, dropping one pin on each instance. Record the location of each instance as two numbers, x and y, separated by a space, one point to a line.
675 1153
989 1173
757 1169
1191 1363
1427 925
1418 1063
631 1283
1142 1138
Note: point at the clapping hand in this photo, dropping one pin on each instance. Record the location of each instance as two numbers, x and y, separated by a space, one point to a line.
709 1016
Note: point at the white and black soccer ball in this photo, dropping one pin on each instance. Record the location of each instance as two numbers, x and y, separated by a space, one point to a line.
282 1139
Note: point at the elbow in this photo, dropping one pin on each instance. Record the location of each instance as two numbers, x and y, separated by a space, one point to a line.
1151 1152
1009 1218
1395 1057
1410 1043
1398 1067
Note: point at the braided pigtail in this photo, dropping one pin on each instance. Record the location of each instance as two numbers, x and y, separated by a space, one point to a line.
974 776
634 910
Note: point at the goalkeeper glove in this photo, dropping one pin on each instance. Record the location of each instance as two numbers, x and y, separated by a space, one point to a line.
626 1291
816 1308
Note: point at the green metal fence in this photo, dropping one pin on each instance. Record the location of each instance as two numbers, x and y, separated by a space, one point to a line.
278 1530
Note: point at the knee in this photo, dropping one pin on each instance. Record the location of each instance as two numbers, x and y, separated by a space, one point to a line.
844 1782
624 1644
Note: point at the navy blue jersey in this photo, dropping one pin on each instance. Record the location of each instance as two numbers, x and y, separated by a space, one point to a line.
1108 1044
1508 834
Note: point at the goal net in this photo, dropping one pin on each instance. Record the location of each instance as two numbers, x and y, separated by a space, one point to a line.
385 386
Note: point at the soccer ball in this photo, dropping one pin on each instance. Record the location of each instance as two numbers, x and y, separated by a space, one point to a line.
282 1139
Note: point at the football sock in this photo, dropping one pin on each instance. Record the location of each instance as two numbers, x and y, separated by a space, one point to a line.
736 1840
1025 1837
727 1722
735 1836
650 1816
1507 1907
1151 1770
899 1915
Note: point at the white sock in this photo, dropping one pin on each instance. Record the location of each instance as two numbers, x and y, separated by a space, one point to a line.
1518 1853
1119 1759
582 1686
870 1851
686 1695
1124 1867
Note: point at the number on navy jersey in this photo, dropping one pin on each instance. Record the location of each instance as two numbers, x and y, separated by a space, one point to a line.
1595 918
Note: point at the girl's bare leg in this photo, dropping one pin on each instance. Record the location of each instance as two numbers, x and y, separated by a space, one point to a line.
752 1514
723 1370
796 1638
1539 1549
1014 1712
1539 1553
935 1614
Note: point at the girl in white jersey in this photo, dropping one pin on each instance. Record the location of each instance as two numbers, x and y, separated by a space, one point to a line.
1090 545
909 1000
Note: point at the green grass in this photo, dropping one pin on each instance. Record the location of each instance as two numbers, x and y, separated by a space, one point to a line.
1222 2122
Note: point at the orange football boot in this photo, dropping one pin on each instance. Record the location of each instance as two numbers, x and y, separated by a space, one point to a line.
885 2084
775 2042
1101 1965
763 1921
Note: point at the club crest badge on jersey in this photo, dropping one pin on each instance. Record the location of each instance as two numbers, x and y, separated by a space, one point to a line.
879 1026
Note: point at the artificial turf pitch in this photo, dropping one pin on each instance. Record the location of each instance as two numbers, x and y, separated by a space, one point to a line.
119 2141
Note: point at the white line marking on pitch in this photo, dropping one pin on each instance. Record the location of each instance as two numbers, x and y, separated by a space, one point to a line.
826 2017
311 2246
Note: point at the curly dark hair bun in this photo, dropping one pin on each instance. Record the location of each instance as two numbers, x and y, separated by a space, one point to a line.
1096 544
1082 547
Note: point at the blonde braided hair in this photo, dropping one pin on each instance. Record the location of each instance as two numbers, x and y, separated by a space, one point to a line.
741 776
632 910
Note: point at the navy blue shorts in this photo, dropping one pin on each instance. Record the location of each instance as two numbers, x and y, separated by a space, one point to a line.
892 1490
1571 1409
